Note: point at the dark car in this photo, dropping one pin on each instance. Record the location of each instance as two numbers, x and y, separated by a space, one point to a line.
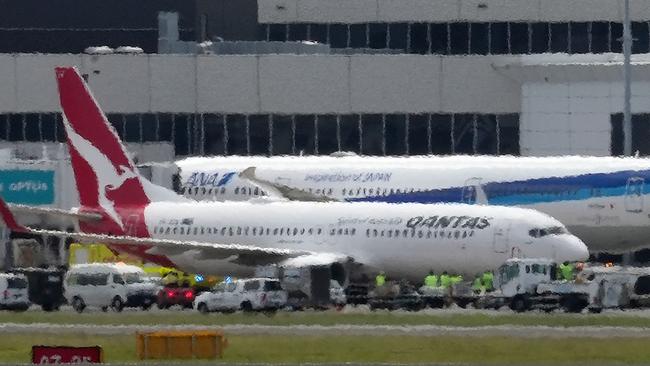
45 286
170 296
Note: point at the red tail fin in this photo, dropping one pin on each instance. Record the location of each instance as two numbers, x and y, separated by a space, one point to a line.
106 177
9 218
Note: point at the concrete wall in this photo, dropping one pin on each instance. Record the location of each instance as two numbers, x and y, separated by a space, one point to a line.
364 11
287 84
565 101
141 153
574 117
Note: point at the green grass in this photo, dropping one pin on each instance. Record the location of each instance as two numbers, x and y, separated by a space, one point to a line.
327 318
404 349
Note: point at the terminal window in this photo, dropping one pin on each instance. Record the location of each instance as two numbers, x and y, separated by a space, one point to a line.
640 134
300 134
463 38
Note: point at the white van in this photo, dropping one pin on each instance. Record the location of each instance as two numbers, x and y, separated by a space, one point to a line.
106 284
14 294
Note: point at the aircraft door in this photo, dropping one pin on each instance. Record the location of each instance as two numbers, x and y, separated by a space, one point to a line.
634 194
471 191
500 242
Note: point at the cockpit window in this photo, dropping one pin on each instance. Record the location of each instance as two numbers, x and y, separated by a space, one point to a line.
553 230
556 230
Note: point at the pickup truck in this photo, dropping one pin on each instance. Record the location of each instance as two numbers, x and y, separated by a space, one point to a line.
254 294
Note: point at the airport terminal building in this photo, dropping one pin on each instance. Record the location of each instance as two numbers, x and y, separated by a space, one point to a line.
533 77
375 77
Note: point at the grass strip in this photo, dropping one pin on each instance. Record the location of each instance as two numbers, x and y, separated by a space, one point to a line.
403 349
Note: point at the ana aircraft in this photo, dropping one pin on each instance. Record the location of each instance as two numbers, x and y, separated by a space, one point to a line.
120 208
600 199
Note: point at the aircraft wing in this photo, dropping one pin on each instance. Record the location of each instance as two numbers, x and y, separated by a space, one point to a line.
280 190
47 216
241 254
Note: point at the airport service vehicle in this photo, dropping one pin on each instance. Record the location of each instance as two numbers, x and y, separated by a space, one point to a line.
169 296
299 300
14 292
337 294
253 294
45 286
435 297
530 283
105 285
616 287
602 200
394 295
307 286
124 210
357 293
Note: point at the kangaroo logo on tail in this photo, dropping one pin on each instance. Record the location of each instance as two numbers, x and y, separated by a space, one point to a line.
109 178
106 177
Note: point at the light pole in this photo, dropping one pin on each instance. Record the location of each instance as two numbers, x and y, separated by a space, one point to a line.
627 69
627 113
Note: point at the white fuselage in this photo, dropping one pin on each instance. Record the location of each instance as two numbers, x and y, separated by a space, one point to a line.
404 240
602 200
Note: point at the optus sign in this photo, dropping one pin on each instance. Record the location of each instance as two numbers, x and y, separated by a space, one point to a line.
34 187
62 354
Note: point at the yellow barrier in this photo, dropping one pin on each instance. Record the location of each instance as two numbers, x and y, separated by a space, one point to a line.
180 344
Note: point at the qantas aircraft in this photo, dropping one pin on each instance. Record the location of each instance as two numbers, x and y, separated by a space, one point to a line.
600 199
122 209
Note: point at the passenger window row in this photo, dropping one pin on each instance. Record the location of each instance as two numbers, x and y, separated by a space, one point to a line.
362 191
250 191
420 234
242 191
247 230
295 231
377 192
321 191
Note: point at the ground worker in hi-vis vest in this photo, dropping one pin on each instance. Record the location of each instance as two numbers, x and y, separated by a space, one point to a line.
488 280
477 285
445 280
380 280
566 271
431 280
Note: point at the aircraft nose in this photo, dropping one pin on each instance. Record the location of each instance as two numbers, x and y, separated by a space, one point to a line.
573 250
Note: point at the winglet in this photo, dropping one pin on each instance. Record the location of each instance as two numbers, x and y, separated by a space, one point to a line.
271 189
9 219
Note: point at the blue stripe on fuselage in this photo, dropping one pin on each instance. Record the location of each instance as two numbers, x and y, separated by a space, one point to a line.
531 191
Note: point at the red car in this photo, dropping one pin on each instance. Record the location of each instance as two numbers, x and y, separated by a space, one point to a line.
169 296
